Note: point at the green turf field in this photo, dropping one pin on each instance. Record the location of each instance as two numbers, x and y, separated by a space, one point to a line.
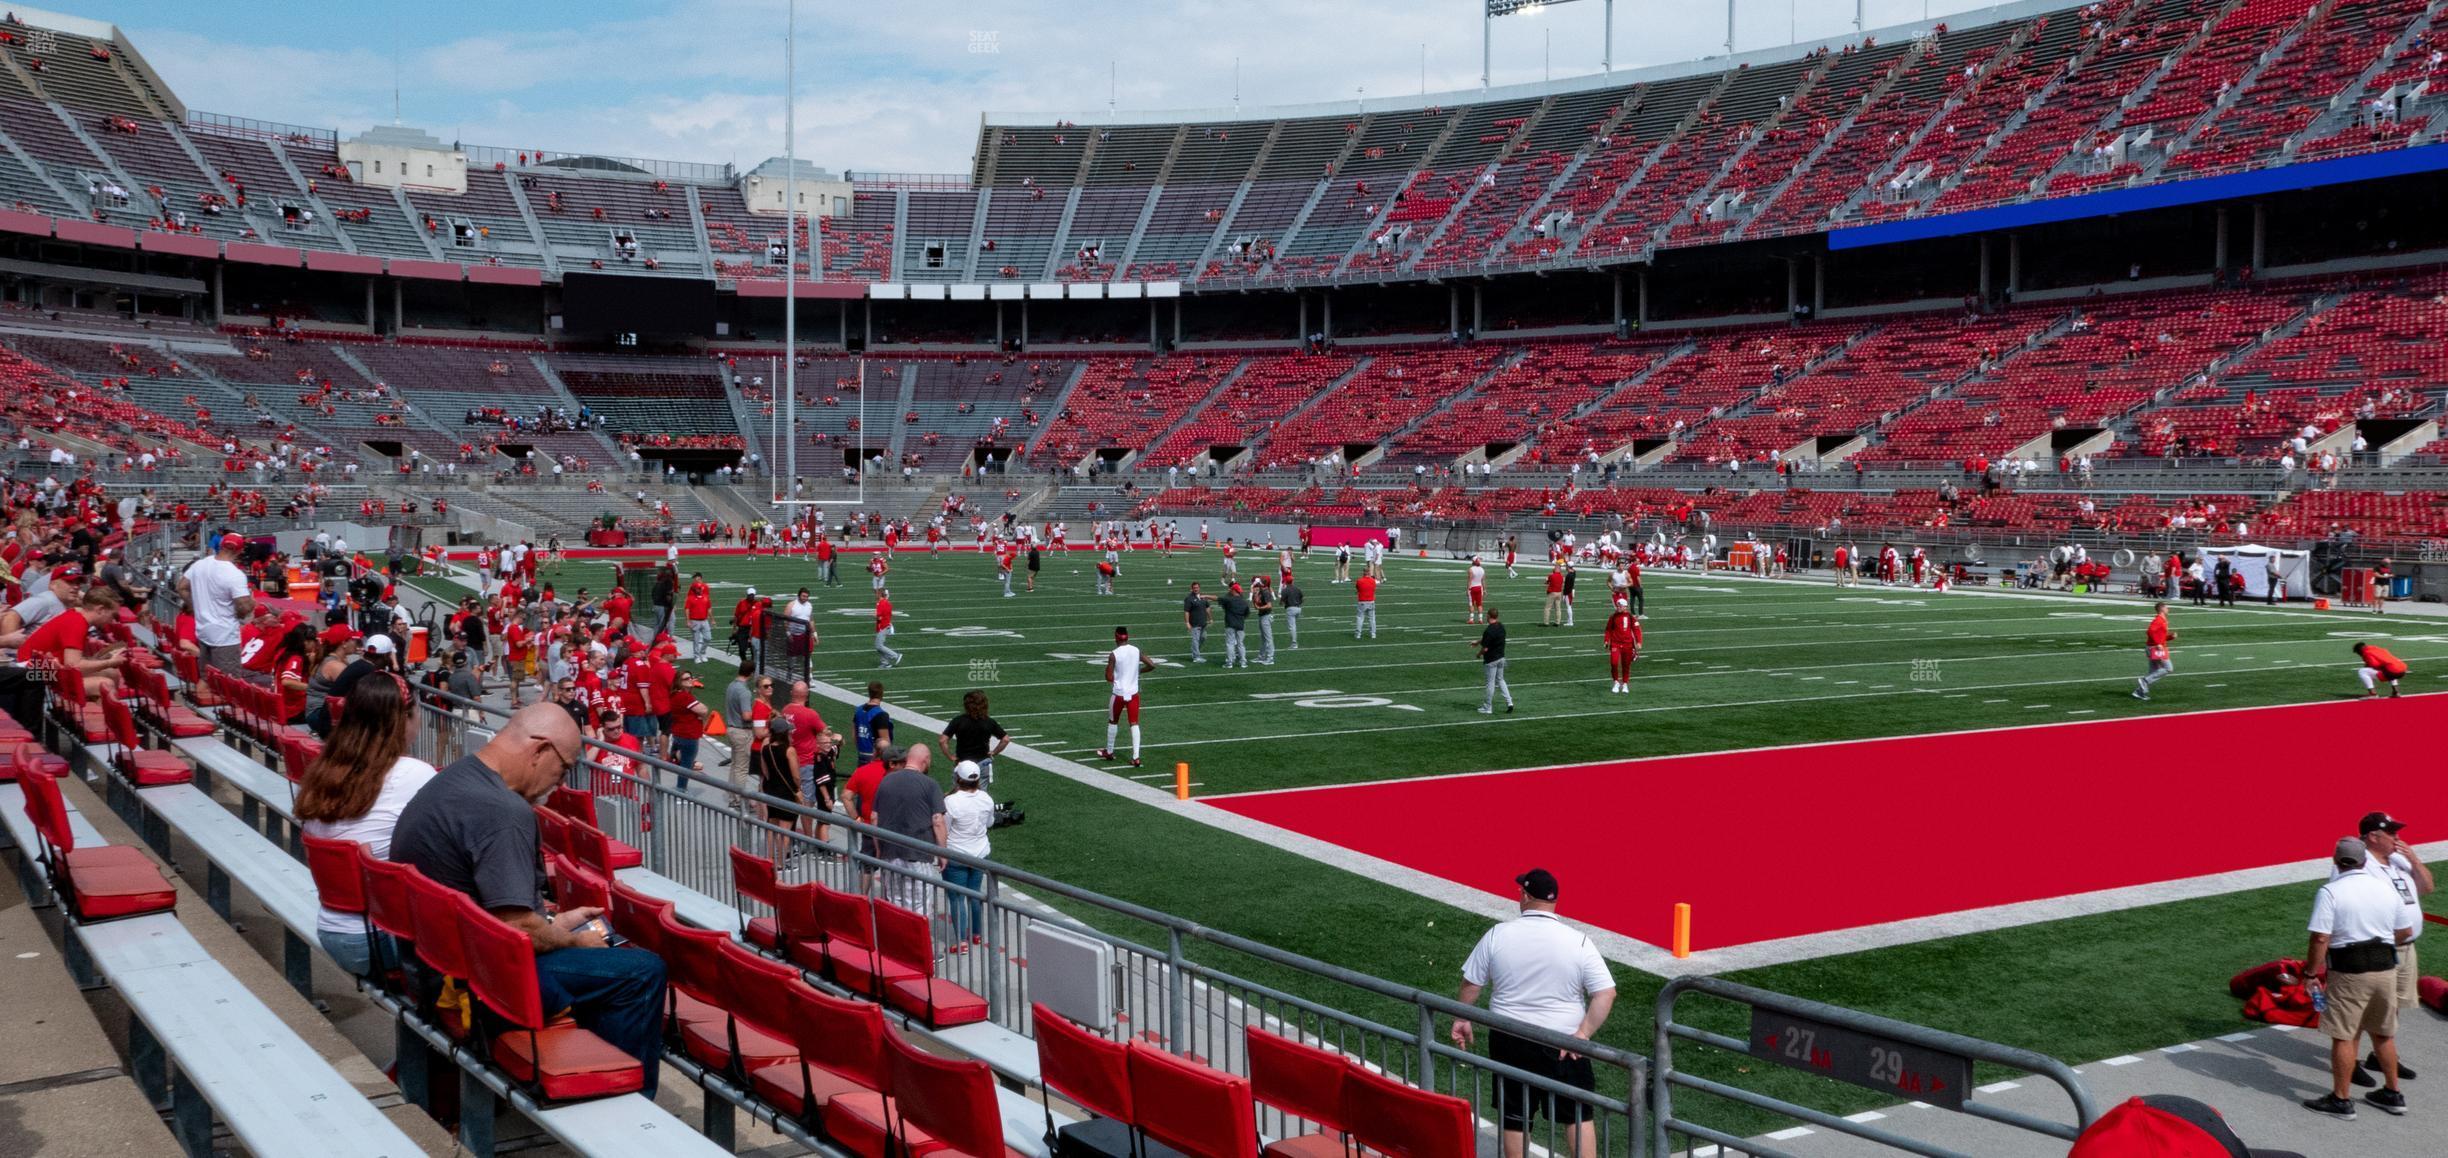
1729 663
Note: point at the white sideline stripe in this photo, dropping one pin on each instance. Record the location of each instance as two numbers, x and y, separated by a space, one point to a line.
2183 1047
1865 1116
2235 1037
1789 1134
2121 1060
2000 1087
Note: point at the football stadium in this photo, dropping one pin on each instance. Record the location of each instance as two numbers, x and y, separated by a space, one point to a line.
1850 592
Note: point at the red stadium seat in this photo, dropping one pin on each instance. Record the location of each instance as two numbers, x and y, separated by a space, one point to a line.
1304 1082
905 939
144 767
95 884
557 1060
752 877
1200 1111
947 1102
1090 1072
1402 1121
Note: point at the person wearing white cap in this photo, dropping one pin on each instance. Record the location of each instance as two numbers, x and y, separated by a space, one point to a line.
968 817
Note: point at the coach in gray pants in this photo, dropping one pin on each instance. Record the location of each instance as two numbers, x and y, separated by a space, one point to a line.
1194 617
1291 597
1491 647
1236 609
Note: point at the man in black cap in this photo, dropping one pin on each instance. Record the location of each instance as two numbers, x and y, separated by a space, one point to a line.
2358 929
1539 971
2391 859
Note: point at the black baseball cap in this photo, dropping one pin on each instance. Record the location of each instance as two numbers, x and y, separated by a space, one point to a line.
2380 822
1538 884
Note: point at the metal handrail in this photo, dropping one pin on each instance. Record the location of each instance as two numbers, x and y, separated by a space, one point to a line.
1663 1122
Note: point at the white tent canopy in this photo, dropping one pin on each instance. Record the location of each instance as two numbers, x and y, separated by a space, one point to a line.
2253 562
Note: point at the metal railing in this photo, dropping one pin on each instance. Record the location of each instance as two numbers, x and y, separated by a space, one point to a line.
1176 984
1894 1038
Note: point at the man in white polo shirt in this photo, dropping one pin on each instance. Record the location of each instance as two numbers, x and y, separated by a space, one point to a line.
1543 972
2357 926
2393 860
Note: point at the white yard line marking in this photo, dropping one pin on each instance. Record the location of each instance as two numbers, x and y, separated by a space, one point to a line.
1865 1116
2123 1060
2180 1047
1788 1135
2000 1087
2232 1037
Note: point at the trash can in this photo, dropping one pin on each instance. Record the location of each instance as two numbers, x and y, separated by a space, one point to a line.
416 644
2401 587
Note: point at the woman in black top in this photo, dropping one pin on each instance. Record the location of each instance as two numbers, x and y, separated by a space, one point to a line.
974 735
1032 564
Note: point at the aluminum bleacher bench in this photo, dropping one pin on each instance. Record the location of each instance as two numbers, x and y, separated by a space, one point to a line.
237 850
198 1038
226 1052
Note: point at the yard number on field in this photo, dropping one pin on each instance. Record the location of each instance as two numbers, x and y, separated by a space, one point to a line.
1330 698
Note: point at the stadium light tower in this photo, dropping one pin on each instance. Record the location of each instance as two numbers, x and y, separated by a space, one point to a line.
1496 8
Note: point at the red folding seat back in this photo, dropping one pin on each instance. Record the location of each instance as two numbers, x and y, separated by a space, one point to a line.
1402 1121
691 957
298 753
389 904
552 831
754 991
440 939
333 864
558 1060
951 1100
1303 1081
844 917
843 1044
796 930
590 847
574 887
798 1089
572 803
1090 1071
753 878
1200 1111
637 916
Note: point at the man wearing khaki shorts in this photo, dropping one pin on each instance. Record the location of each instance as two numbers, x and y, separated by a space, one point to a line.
2357 926
2393 860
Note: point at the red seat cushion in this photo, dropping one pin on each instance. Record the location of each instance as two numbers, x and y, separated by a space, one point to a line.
115 880
939 1002
90 724
807 955
183 723
780 1085
621 855
568 1062
1307 1146
149 768
762 932
856 966
860 1121
11 767
710 1042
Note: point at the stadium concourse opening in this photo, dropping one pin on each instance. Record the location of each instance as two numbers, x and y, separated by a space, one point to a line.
1789 841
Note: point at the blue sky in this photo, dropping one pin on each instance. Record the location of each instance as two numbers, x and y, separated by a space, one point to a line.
892 86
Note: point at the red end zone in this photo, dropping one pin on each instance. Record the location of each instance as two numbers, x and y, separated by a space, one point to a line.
1783 842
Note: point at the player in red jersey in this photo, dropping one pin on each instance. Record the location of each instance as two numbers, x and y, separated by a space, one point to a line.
2155 641
1232 566
1623 643
1122 670
877 566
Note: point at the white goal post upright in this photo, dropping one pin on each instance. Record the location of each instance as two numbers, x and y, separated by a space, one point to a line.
784 493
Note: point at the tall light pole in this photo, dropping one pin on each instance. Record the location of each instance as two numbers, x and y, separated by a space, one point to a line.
790 256
1496 8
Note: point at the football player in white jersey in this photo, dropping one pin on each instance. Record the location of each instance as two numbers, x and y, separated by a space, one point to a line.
1478 590
1123 669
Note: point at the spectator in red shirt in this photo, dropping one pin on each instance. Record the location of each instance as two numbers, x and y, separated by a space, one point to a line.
700 608
66 640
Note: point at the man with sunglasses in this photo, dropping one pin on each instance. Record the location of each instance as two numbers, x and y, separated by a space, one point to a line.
473 828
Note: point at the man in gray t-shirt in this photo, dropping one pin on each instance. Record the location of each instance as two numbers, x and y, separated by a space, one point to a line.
738 700
909 803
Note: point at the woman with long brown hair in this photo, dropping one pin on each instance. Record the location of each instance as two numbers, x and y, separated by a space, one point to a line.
355 791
